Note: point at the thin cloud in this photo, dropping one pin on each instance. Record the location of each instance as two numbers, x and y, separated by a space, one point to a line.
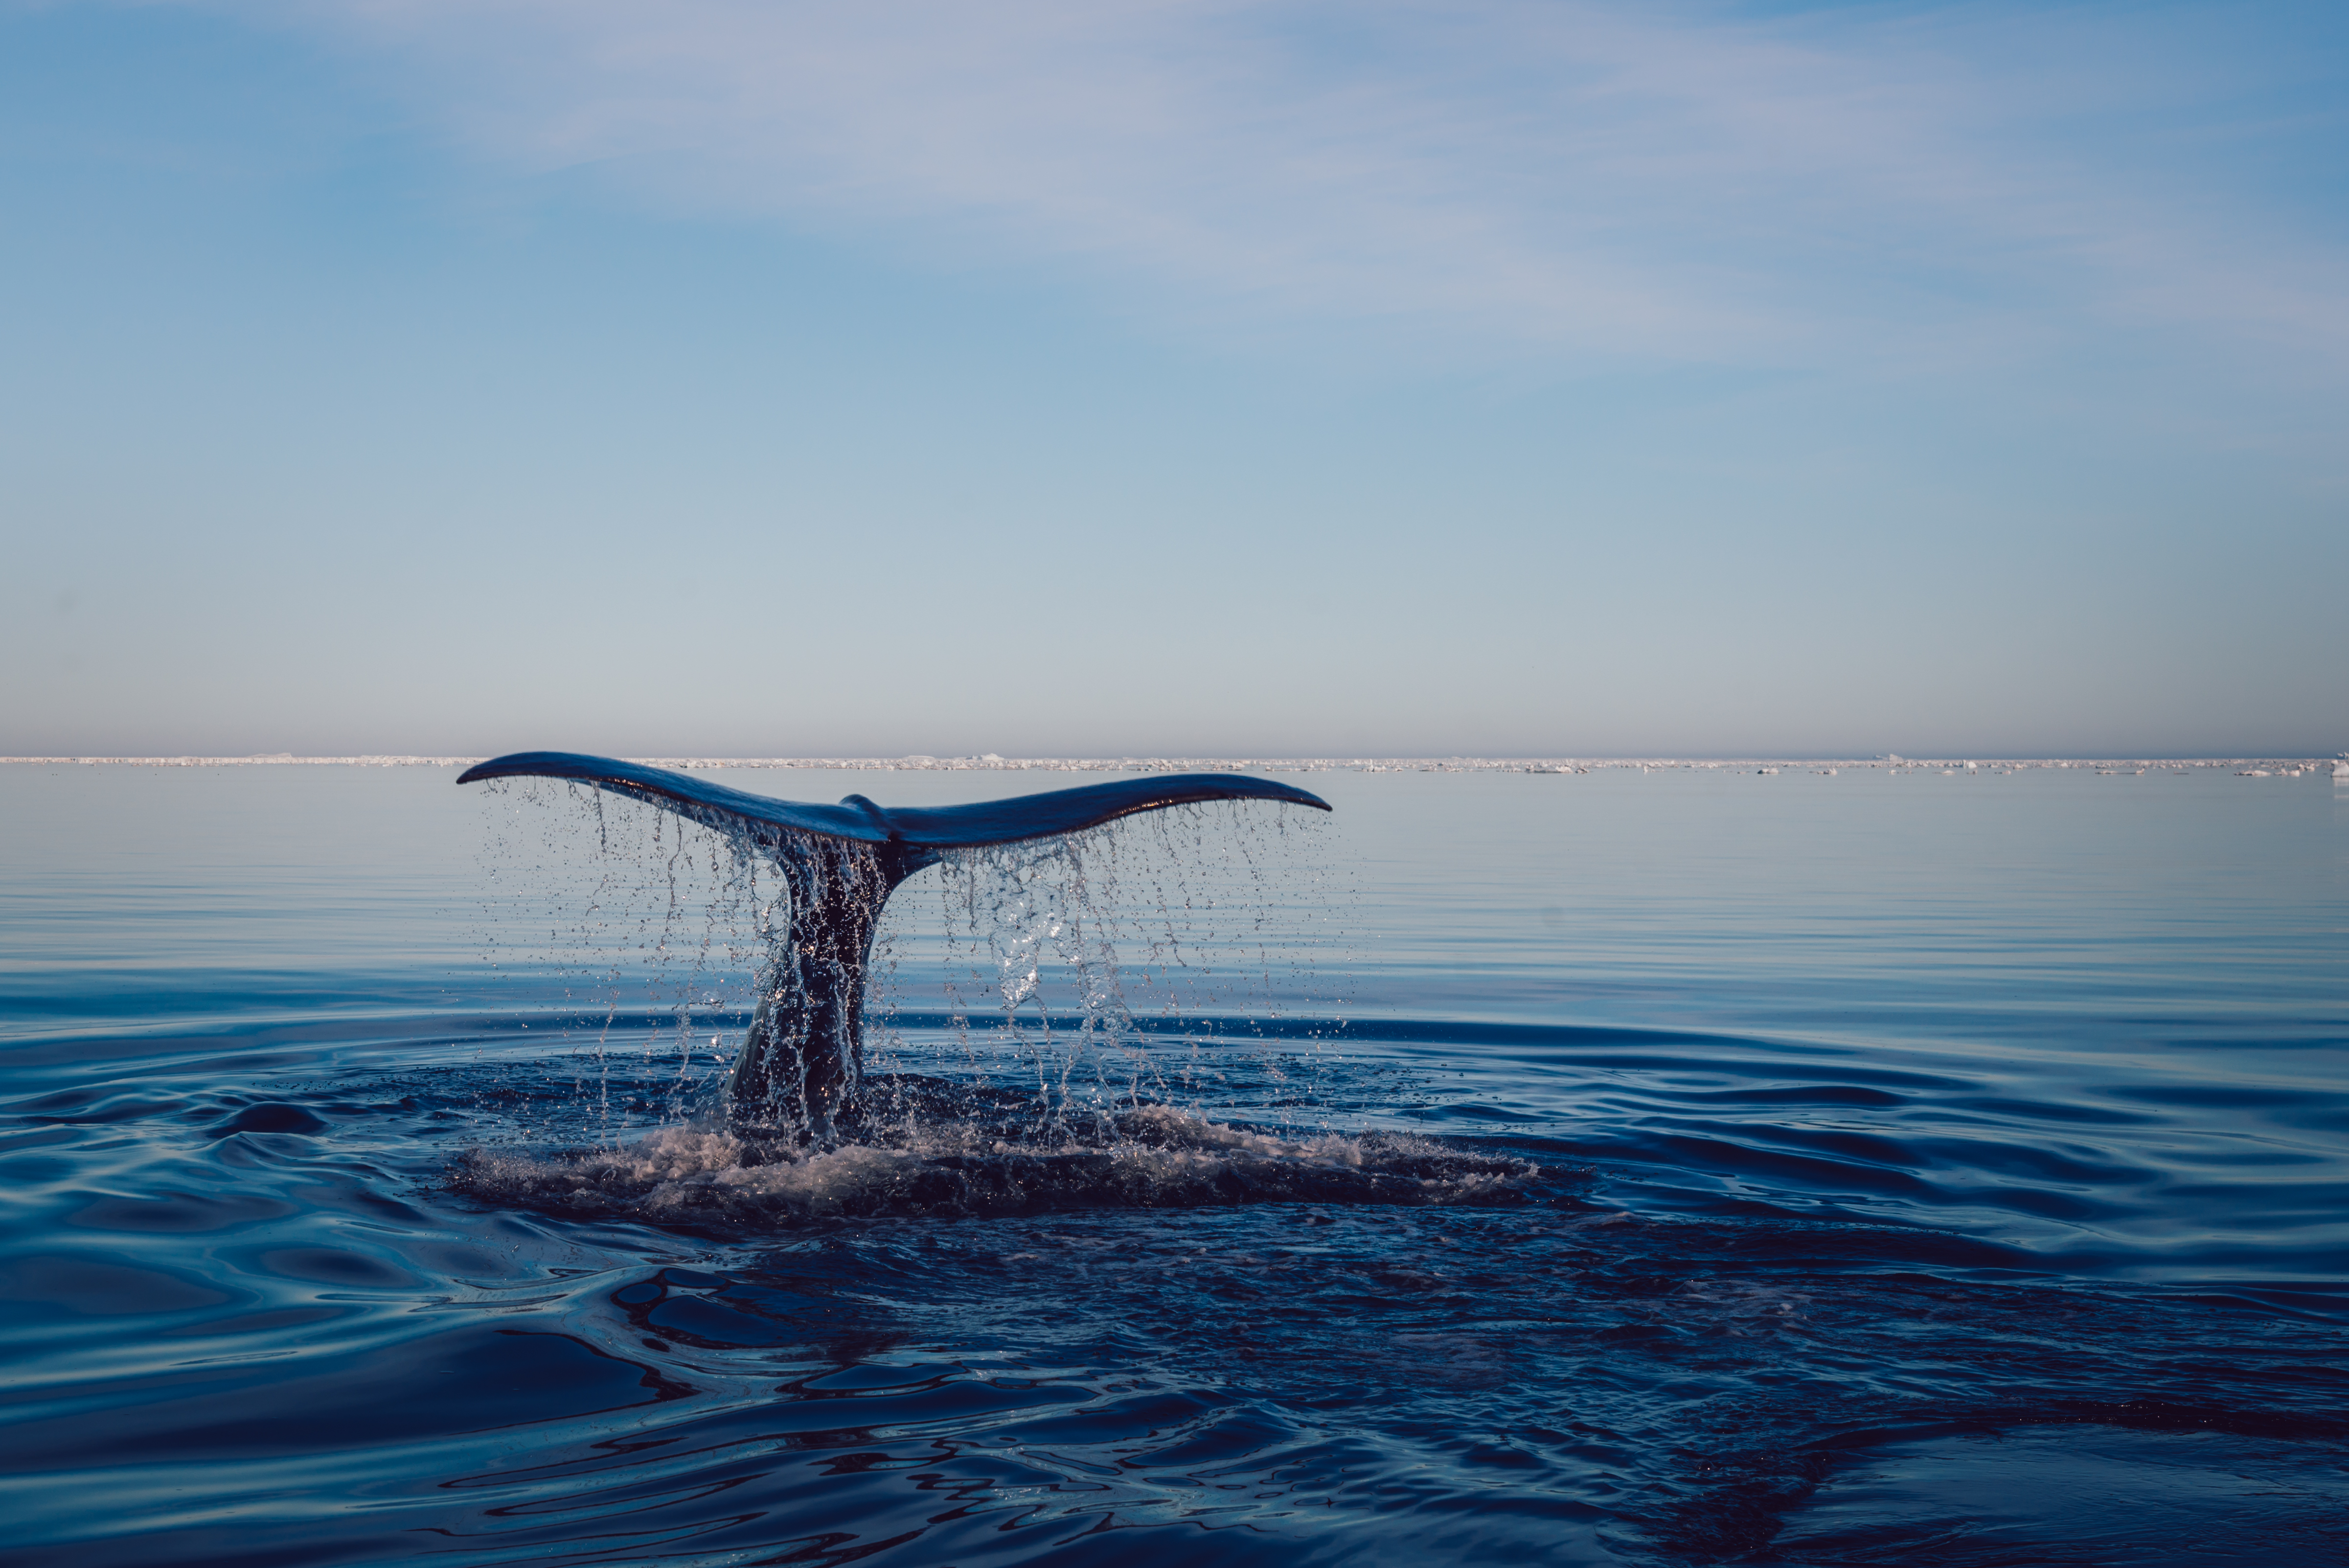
1612 181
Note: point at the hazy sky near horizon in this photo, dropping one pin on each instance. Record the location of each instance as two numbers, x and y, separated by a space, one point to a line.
1042 378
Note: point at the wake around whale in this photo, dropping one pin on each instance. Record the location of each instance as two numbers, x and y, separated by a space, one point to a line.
802 1059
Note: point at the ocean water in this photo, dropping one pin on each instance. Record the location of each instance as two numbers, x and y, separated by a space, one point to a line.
1686 1167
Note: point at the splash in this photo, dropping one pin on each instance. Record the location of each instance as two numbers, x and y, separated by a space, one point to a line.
801 1060
1117 965
628 934
976 1165
1045 1024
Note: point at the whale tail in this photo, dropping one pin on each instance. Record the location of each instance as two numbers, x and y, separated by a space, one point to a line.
802 1059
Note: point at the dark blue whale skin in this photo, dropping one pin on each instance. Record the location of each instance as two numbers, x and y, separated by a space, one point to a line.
803 1057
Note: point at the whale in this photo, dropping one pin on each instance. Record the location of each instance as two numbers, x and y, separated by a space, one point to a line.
802 1062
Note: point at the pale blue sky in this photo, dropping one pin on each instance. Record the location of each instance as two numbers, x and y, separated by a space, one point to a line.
1208 378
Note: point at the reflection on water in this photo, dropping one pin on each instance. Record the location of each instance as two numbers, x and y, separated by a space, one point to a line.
2006 1226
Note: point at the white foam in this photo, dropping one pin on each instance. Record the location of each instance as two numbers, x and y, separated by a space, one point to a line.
1160 1156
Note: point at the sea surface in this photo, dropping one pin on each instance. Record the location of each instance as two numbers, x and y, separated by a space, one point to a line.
1623 1168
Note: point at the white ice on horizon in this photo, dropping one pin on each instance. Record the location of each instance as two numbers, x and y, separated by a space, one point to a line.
989 762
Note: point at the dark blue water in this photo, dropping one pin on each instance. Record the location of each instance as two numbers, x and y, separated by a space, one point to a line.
1616 1168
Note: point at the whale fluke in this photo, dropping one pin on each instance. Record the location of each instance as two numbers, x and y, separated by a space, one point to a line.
859 821
802 1059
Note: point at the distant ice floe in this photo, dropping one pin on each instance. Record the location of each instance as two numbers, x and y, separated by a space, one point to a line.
1829 767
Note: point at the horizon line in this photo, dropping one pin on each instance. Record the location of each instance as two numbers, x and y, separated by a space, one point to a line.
991 762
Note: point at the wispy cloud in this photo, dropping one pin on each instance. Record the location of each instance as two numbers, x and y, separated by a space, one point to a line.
1615 180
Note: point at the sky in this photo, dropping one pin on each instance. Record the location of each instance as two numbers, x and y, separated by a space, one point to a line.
1137 377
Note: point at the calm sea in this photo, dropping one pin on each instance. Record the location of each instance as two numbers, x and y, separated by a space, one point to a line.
1666 1168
